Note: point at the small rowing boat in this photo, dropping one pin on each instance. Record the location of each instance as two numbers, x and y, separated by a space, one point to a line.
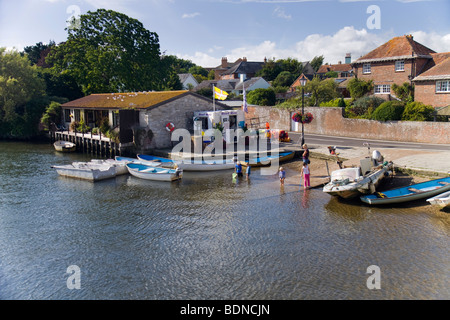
146 172
64 146
267 160
441 200
417 191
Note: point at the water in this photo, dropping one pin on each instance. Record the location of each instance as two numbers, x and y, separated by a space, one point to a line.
205 237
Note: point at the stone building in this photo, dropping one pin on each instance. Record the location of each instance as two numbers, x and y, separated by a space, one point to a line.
141 118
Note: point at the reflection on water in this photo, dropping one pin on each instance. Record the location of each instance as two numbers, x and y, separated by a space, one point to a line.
205 237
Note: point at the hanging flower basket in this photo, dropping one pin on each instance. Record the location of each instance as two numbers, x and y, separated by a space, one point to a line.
303 118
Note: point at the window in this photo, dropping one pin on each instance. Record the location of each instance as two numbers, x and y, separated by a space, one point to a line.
382 89
67 115
77 115
443 86
116 119
399 66
367 68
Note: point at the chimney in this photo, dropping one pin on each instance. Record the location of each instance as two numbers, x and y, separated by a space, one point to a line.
244 59
265 59
340 62
224 62
348 58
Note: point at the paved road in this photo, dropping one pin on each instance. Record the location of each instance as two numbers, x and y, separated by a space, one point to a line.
354 142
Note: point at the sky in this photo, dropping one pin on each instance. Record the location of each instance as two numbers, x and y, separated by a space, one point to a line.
204 31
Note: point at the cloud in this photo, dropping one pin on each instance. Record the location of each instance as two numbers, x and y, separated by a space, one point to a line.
190 15
333 47
280 13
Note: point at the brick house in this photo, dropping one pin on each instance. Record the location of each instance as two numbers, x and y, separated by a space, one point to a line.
399 60
432 87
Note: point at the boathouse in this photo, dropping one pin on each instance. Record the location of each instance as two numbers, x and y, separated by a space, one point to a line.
143 120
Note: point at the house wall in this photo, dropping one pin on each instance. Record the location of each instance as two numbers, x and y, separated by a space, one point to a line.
329 121
425 92
180 112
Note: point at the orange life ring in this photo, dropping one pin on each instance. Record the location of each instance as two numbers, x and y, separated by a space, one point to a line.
170 127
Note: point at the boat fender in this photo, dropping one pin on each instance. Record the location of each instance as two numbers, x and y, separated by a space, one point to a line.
170 127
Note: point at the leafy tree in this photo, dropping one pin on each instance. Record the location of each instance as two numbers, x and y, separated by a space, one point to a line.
317 62
262 97
389 111
417 111
331 74
111 52
60 85
405 92
52 114
199 70
22 96
293 66
270 70
321 90
206 92
39 52
284 79
359 88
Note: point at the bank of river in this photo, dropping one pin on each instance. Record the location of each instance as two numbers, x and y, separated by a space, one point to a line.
205 237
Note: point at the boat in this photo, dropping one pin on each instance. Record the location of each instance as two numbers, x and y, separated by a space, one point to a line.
88 171
441 200
64 146
267 160
350 183
213 165
143 171
165 162
417 191
134 160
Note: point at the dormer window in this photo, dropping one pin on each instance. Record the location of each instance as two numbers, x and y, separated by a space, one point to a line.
367 68
399 66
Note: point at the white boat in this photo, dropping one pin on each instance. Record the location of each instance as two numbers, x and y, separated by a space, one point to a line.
64 146
126 160
143 171
441 200
87 171
352 182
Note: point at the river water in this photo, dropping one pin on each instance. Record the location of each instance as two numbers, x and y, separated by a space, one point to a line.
205 237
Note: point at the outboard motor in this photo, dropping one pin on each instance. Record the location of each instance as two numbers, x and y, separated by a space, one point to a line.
377 157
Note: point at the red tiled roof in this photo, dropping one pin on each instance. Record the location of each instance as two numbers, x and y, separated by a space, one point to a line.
403 46
340 67
439 68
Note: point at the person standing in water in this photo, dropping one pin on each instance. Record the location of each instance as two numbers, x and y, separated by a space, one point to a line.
282 175
306 175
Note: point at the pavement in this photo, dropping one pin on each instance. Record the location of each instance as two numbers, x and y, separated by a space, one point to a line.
421 162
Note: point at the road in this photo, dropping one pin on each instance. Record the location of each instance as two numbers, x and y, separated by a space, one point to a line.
355 142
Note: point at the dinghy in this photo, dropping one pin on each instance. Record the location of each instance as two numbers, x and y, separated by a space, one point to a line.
191 165
441 200
423 190
267 160
143 171
64 146
87 171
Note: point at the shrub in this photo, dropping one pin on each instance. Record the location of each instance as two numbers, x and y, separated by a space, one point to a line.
417 111
262 97
363 107
359 88
389 111
336 103
104 125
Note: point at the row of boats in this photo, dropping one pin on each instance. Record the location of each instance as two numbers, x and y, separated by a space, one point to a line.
363 182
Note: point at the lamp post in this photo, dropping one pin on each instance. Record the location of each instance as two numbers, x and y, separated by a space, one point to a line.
303 83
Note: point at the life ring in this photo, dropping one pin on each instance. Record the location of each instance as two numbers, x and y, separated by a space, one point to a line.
170 127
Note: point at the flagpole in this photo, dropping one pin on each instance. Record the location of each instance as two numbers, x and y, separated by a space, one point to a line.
214 98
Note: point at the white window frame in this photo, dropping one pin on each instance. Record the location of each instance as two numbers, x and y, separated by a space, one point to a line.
367 68
382 89
443 86
399 65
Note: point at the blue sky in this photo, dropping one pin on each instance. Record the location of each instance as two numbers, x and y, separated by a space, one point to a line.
204 31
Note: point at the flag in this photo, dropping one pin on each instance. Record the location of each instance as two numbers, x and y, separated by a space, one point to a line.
244 106
220 94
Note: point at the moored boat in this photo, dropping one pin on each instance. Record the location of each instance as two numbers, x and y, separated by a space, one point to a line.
441 200
423 190
353 182
64 146
126 160
143 171
87 171
267 160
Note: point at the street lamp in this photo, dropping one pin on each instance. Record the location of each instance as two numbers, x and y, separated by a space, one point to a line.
303 80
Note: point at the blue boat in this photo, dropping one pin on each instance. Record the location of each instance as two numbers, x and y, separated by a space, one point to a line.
146 157
413 192
267 160
146 172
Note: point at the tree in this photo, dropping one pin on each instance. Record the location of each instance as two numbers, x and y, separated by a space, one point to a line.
284 79
38 53
111 52
270 70
389 111
262 97
321 90
317 62
359 88
417 111
405 92
363 107
22 96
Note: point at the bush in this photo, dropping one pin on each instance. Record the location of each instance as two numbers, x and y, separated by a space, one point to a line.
389 111
262 97
341 103
359 88
363 107
417 111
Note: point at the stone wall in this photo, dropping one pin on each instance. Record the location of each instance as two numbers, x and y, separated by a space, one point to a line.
329 121
180 112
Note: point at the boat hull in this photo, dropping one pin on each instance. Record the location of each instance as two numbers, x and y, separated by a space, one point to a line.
267 161
188 166
153 173
89 174
64 146
410 193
